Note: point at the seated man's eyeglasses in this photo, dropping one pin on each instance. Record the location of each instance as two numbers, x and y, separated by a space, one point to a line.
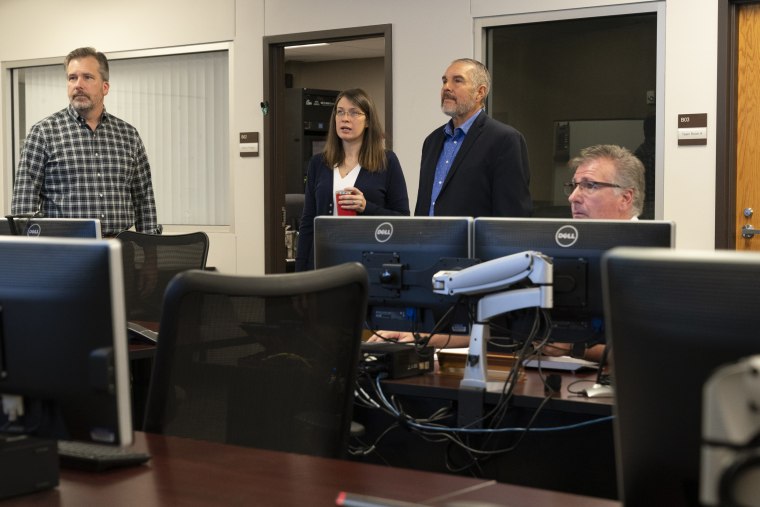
587 186
353 113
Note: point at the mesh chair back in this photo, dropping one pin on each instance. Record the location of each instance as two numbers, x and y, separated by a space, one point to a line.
261 361
293 210
150 262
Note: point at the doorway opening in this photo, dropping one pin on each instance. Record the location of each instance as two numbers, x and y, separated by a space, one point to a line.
732 211
322 61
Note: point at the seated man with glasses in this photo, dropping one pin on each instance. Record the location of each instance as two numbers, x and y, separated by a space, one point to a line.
608 183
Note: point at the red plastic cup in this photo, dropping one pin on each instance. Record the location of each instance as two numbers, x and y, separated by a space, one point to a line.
342 212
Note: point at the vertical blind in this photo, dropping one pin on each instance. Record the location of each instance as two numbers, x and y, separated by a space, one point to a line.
180 106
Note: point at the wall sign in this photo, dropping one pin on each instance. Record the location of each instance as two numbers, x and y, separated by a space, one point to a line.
692 129
249 144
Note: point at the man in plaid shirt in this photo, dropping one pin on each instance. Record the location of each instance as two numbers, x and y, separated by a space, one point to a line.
82 162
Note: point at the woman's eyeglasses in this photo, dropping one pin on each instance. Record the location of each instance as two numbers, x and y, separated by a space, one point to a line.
353 113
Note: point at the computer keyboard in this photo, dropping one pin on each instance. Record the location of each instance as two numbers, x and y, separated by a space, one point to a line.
97 457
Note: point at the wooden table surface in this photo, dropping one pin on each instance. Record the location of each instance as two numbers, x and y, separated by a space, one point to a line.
194 473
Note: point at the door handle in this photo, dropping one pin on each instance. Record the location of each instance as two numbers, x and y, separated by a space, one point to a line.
748 231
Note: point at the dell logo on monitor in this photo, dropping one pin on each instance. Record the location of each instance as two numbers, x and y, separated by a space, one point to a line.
383 232
34 230
566 236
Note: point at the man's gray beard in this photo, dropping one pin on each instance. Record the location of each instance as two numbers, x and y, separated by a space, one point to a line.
452 112
81 108
459 110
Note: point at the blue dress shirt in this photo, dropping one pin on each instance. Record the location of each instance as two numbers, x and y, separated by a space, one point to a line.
451 144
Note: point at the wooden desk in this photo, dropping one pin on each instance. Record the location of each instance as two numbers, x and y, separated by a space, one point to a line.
580 461
529 391
193 473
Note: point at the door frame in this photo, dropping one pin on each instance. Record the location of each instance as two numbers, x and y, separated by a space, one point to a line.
274 123
726 119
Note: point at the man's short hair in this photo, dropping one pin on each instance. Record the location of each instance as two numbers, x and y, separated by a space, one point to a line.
85 52
479 74
629 171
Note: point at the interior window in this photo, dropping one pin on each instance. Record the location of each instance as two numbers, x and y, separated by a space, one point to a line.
568 84
179 105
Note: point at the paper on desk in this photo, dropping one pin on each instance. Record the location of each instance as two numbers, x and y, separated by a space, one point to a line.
566 363
461 350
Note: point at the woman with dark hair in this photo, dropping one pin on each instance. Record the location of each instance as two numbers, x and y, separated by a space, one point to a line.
355 175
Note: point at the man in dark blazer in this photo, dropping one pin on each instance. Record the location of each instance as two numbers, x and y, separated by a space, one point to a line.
474 165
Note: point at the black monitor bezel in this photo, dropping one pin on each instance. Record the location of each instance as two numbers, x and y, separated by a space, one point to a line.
674 317
576 248
52 227
63 341
407 302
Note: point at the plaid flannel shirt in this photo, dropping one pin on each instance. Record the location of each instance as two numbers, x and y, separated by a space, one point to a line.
69 171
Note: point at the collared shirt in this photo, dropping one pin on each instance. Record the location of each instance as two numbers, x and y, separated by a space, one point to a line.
69 171
453 138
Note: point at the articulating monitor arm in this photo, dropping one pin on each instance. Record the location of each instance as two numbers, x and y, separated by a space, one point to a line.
491 283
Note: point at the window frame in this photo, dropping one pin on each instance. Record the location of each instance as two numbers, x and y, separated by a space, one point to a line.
482 24
12 137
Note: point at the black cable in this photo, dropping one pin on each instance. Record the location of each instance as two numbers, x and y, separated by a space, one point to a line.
367 450
443 321
475 454
433 432
498 414
496 417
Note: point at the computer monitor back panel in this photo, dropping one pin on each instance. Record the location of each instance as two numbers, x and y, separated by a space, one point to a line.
674 316
53 227
576 247
401 255
63 334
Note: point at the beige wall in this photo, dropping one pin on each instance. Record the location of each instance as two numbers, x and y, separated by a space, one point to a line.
427 34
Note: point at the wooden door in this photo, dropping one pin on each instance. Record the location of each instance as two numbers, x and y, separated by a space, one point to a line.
748 126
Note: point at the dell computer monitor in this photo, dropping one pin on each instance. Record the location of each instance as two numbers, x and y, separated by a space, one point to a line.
63 343
576 248
51 227
401 255
673 318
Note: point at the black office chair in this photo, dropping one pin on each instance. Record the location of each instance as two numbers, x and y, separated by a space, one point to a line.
261 361
293 210
150 262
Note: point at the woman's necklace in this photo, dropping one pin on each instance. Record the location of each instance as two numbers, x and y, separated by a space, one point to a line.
346 168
